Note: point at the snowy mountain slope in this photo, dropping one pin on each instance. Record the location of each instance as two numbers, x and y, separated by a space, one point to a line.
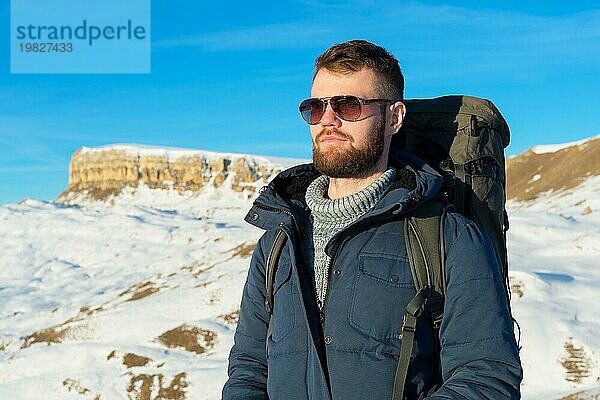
554 247
88 292
138 299
553 148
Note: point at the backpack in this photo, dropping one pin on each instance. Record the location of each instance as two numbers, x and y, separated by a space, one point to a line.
463 138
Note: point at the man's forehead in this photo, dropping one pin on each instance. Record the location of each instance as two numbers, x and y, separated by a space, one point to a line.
363 83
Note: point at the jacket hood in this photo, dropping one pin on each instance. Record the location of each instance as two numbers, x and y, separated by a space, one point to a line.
415 183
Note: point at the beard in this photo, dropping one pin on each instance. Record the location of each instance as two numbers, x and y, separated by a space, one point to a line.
349 162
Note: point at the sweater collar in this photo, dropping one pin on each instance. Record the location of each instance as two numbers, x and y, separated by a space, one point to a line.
348 207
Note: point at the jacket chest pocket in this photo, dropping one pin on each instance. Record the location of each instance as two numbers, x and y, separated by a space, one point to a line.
284 315
382 289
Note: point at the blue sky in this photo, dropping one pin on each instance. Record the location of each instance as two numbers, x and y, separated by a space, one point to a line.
228 77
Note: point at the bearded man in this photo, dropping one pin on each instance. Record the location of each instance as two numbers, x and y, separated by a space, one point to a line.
328 328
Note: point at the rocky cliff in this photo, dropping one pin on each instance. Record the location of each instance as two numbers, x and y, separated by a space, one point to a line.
104 172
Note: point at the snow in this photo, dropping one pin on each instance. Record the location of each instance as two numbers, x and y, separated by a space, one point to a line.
553 253
535 178
86 267
553 148
59 259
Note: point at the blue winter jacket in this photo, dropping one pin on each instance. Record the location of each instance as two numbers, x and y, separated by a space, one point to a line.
351 351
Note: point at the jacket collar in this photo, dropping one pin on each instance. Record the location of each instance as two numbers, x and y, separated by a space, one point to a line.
282 200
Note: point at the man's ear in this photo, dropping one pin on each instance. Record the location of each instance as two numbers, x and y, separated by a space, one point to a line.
398 113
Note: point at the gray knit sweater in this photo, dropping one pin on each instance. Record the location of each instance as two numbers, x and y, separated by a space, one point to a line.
328 217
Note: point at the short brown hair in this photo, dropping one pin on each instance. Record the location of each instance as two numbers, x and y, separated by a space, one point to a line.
354 55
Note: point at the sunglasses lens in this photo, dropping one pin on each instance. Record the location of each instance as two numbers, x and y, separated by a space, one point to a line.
312 110
347 107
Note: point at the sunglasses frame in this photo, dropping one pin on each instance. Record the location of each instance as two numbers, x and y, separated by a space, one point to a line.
327 101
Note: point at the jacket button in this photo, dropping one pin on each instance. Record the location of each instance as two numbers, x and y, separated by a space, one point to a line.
255 217
281 223
394 278
337 272
327 339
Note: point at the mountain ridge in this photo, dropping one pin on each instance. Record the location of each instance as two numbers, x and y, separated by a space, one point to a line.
103 173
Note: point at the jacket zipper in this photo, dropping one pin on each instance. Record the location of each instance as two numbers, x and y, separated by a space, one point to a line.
320 304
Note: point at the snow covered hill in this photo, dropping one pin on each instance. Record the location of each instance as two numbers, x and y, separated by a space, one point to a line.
136 297
554 247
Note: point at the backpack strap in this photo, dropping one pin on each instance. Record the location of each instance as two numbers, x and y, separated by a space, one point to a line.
424 238
460 192
423 234
272 261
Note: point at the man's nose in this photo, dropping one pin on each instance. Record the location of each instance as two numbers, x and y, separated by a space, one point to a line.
329 118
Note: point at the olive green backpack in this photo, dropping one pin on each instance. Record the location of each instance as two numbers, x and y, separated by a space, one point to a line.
463 138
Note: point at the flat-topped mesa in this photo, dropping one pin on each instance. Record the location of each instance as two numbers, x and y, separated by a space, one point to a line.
104 172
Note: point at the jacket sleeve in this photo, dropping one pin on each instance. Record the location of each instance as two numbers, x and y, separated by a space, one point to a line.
479 354
247 360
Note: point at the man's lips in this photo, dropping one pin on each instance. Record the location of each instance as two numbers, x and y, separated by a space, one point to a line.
331 139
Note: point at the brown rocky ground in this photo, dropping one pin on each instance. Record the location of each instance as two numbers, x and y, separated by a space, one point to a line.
576 363
190 338
582 396
145 387
53 335
529 174
231 318
131 360
244 250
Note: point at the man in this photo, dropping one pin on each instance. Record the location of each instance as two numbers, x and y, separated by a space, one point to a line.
343 281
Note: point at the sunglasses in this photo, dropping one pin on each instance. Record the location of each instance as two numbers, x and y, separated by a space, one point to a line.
348 108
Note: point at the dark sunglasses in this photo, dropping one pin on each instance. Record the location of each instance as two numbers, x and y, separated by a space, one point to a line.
348 108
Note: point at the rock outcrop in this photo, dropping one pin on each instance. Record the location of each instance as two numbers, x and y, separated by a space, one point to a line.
534 172
104 172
